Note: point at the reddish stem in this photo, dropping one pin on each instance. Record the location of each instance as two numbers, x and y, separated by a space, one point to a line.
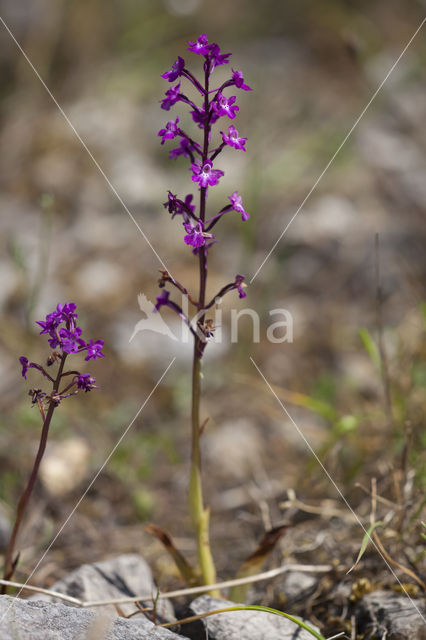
10 562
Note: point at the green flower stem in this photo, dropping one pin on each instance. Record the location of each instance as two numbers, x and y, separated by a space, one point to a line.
10 562
200 515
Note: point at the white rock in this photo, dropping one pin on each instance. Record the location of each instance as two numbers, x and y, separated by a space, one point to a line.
36 620
64 465
126 575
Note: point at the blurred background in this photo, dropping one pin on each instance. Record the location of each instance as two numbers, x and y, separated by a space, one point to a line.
65 236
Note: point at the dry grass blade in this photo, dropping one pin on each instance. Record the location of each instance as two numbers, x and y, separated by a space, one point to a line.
365 541
48 592
272 573
254 562
296 621
185 569
379 545
405 570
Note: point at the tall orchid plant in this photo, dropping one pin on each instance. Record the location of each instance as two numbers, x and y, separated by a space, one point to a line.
213 108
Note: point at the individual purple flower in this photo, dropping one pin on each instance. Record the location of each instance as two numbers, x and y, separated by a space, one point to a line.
200 46
53 320
233 139
86 382
67 310
237 204
184 149
199 117
63 313
176 70
172 96
224 106
239 282
195 234
185 208
216 57
205 246
238 80
205 175
172 202
188 200
69 340
25 365
177 207
162 300
93 349
28 365
170 131
36 395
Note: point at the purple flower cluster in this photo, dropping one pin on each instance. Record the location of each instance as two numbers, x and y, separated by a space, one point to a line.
68 337
65 339
213 105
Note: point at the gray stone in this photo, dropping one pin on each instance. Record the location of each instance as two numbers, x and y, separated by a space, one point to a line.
391 615
124 576
36 620
296 585
240 625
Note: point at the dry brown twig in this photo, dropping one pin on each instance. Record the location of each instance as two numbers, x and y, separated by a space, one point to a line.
378 542
272 573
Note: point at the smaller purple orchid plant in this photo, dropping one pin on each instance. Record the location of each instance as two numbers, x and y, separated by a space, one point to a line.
214 106
65 335
65 340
